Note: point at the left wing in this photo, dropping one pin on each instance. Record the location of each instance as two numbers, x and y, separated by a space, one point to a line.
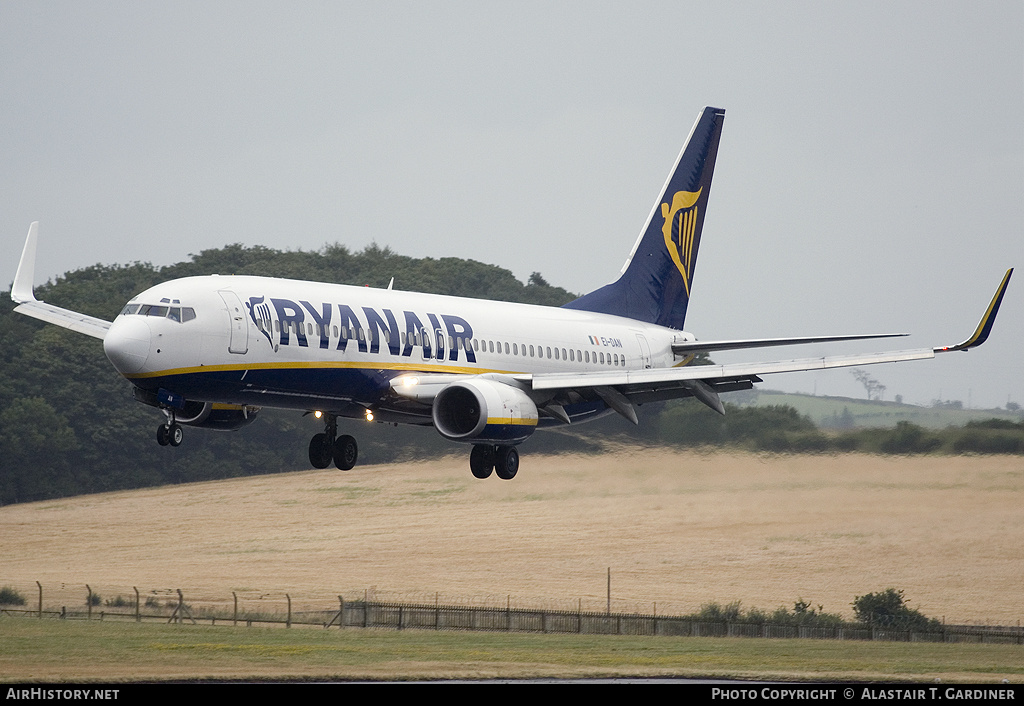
22 294
620 389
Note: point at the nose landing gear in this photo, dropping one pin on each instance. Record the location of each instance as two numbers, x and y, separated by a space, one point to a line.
328 446
169 433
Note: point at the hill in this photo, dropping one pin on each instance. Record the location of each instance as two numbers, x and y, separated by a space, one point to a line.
850 413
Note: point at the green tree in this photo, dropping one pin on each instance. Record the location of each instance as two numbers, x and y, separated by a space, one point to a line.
888 608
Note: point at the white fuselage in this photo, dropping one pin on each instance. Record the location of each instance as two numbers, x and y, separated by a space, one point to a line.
297 344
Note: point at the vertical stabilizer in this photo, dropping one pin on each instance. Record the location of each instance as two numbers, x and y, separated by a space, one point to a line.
656 279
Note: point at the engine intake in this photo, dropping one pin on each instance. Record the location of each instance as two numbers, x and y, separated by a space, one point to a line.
484 411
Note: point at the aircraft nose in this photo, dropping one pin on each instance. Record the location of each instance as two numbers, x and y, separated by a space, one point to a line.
127 344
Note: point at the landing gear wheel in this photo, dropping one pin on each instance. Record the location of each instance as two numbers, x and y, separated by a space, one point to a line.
321 451
169 434
481 460
506 462
345 452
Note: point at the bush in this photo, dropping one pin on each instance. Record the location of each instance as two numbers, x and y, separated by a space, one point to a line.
712 612
908 438
889 609
988 441
120 602
802 615
10 596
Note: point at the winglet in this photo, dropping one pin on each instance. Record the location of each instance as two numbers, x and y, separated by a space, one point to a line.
23 281
985 327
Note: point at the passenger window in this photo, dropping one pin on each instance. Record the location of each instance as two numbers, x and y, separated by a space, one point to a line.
531 351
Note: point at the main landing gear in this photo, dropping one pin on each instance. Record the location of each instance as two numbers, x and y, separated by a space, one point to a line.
328 446
169 432
503 460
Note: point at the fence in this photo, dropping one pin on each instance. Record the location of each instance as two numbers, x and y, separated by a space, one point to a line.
401 616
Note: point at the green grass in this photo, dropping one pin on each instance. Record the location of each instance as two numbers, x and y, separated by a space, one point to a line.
53 651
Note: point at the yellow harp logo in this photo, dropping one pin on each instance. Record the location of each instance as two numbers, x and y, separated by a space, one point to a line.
679 229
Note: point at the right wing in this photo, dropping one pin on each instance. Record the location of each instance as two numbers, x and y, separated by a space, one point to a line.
22 294
621 390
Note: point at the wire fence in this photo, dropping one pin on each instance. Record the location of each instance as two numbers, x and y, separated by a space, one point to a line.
175 607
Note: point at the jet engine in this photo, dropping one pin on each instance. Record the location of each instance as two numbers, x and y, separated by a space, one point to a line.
479 410
223 417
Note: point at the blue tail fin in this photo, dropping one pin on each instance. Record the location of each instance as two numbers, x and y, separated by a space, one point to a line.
655 282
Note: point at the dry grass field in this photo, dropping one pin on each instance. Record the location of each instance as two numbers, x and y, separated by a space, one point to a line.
675 529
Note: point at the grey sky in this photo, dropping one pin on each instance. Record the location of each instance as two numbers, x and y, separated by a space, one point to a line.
870 176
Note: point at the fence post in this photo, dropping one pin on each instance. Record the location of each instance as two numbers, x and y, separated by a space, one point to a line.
235 617
288 624
138 616
341 612
88 601
40 599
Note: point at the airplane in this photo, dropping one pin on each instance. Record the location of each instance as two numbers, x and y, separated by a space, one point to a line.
211 351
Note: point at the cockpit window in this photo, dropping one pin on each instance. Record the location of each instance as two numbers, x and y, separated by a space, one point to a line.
180 314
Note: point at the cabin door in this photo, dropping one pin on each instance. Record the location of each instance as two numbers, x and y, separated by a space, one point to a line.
645 350
239 341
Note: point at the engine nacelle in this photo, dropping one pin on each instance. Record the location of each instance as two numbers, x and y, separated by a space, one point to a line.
223 417
484 411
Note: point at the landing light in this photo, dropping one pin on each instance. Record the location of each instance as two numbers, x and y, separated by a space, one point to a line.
369 416
410 381
318 414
